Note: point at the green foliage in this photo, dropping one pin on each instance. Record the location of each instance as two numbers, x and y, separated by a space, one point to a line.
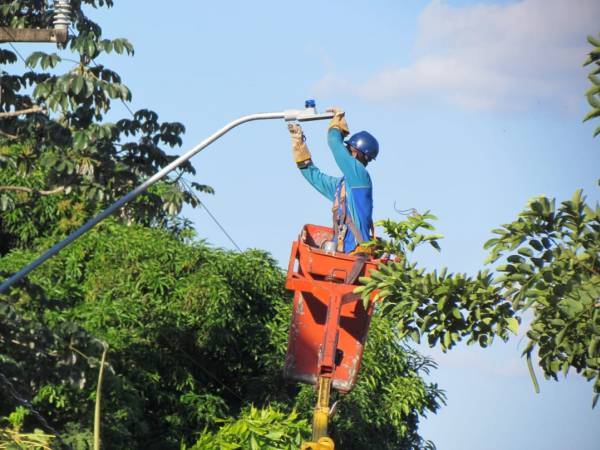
11 439
65 163
550 265
171 314
196 335
266 429
404 236
593 93
553 269
443 307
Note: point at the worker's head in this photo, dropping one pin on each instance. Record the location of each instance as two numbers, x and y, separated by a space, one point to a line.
363 146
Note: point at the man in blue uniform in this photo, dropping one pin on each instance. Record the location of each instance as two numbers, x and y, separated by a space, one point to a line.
351 194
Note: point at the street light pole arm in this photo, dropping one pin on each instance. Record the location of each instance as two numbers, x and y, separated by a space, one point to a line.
289 115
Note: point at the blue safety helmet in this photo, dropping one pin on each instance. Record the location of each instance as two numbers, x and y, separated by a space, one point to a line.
365 143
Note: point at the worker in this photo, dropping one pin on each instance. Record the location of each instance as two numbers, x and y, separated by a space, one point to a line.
351 194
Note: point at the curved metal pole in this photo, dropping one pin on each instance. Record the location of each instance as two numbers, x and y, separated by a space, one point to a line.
289 115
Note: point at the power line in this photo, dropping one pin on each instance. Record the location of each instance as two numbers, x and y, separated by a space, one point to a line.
93 61
220 226
27 404
20 56
15 49
201 203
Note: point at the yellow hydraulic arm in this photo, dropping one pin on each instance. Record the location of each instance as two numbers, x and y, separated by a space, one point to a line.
320 440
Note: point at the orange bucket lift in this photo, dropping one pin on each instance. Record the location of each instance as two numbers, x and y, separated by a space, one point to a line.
329 323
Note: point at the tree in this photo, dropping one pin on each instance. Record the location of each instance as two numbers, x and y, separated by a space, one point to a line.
443 307
60 161
196 335
551 267
553 270
593 93
266 428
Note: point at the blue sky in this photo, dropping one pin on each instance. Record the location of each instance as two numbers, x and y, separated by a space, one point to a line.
477 106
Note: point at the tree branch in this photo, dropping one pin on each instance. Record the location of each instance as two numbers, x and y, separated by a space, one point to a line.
8 135
32 110
32 191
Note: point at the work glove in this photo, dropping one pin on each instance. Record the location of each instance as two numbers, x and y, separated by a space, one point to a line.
339 121
299 149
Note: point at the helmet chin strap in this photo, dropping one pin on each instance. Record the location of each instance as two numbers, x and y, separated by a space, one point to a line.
361 157
357 154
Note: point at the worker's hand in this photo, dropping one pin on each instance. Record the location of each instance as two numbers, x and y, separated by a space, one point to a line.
296 132
299 149
337 111
339 121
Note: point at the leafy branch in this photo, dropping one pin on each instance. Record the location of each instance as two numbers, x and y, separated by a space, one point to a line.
404 237
549 264
32 110
442 307
593 93
552 266
33 191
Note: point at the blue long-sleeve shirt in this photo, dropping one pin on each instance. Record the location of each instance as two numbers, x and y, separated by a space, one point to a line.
359 188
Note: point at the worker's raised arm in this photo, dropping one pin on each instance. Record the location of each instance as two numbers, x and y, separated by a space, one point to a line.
322 182
354 172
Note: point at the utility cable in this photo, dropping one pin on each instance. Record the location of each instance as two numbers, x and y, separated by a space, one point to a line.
27 404
15 49
209 373
220 226
93 61
201 203
405 212
133 115
20 56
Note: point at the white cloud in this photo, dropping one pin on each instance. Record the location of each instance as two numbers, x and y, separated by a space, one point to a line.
485 56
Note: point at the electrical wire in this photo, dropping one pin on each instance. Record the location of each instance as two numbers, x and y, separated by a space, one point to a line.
27 404
211 215
20 56
405 212
201 203
220 226
184 182
93 61
14 48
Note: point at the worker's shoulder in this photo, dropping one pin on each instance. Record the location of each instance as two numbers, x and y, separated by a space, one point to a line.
358 176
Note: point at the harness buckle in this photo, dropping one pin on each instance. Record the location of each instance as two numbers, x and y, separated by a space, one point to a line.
342 229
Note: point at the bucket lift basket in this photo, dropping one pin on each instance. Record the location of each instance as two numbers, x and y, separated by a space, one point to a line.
329 323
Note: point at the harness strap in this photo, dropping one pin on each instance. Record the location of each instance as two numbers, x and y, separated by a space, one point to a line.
342 220
355 230
339 216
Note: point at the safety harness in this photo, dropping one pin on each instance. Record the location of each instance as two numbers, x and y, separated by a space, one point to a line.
342 221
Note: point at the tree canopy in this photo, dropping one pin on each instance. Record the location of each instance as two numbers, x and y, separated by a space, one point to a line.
195 335
593 93
61 160
550 267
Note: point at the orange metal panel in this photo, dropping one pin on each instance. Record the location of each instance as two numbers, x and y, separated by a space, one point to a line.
329 324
